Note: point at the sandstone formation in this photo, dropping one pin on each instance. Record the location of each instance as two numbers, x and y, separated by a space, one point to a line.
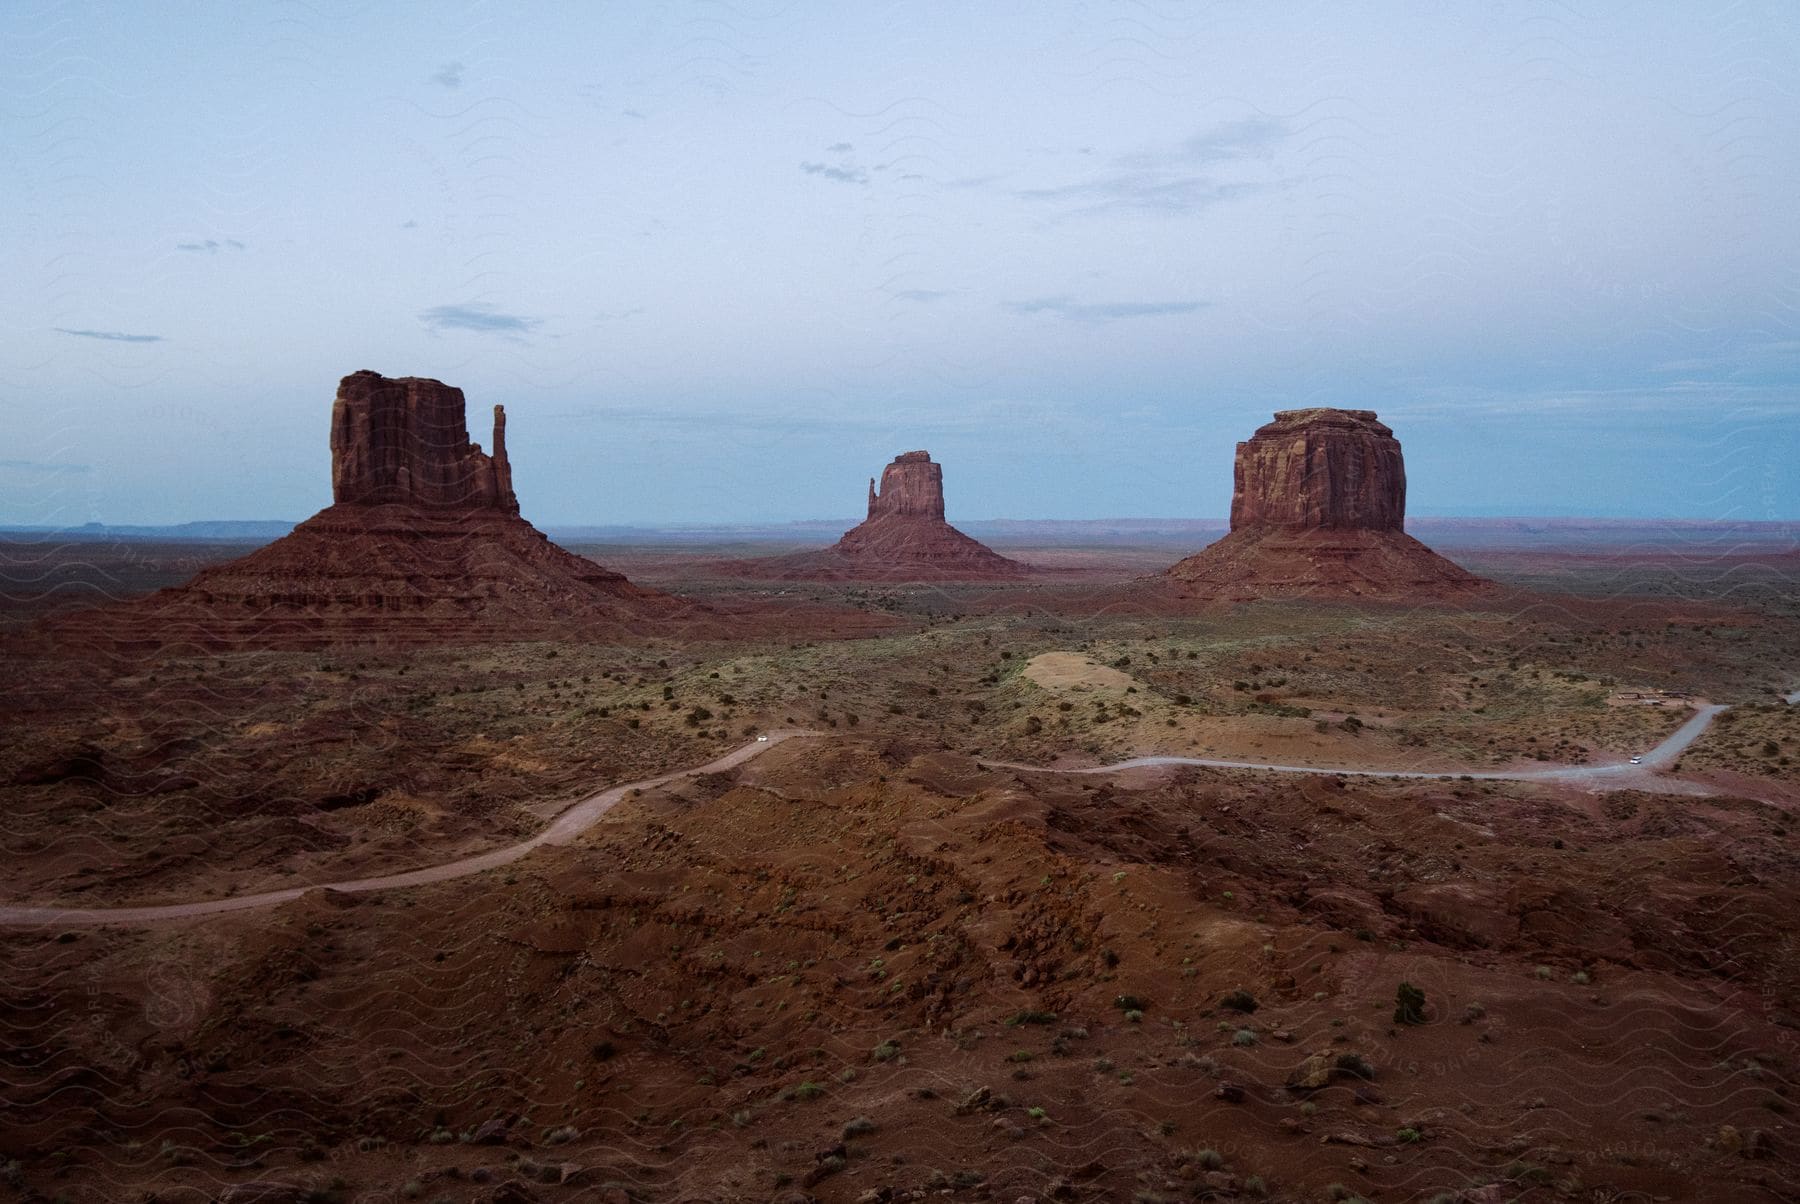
422 541
904 537
404 440
1318 508
1313 469
913 486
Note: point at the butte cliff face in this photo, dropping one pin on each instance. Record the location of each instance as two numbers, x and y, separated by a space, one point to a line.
1320 469
1318 507
404 440
911 487
423 541
904 537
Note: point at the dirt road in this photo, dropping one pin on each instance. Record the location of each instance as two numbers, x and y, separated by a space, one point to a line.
565 828
578 818
1622 775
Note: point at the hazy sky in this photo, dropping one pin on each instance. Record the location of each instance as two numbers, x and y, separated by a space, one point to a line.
722 261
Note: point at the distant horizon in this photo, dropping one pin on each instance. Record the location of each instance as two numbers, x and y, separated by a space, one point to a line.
1220 521
1076 251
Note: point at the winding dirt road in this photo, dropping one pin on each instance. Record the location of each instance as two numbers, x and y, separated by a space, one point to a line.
564 829
1622 775
583 814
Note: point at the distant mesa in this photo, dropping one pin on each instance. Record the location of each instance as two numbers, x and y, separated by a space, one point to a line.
423 540
1318 508
904 538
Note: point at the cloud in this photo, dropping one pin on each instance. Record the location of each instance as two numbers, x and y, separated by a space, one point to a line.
47 469
1165 180
1770 360
839 148
1251 138
1107 311
211 246
921 295
449 75
961 418
115 336
847 174
411 223
483 319
1151 192
1665 404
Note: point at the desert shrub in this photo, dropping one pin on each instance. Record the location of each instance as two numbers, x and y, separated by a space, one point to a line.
1243 1038
1409 1004
1355 1065
1239 1001
858 1127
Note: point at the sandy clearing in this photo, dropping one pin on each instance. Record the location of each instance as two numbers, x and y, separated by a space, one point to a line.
1074 671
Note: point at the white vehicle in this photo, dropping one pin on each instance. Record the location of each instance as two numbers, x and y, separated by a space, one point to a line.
1637 760
762 739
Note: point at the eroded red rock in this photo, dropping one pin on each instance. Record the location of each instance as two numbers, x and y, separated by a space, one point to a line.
904 537
1318 508
404 440
1320 469
423 541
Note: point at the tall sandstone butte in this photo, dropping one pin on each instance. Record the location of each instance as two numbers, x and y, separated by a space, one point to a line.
423 541
912 486
1318 507
904 537
1321 468
404 440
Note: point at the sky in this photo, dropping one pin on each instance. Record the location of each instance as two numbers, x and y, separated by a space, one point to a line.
722 261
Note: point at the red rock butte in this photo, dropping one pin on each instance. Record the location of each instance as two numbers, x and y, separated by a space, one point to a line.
1318 508
404 440
423 541
904 537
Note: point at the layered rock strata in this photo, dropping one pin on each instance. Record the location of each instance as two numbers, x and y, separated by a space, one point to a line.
1318 507
404 440
904 537
423 541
